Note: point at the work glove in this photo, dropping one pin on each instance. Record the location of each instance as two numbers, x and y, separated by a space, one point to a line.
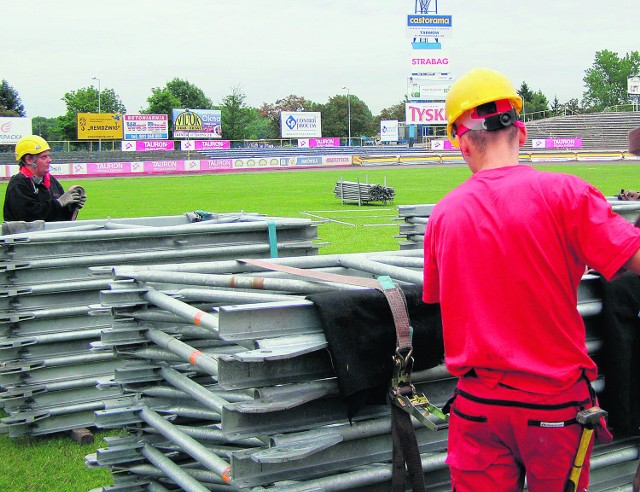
70 197
82 197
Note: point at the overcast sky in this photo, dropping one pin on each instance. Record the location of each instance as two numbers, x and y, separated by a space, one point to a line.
312 48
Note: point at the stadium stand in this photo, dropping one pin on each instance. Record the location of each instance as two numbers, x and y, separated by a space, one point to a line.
598 131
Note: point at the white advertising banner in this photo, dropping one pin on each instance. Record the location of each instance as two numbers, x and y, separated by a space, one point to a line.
300 124
427 90
419 113
633 85
146 127
13 129
389 130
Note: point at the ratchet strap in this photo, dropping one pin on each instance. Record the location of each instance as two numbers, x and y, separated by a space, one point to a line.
406 402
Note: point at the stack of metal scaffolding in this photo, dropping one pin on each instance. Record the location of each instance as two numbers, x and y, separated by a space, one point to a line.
49 363
363 193
227 384
415 217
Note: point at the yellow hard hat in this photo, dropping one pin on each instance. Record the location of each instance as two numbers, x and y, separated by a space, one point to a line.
31 144
476 87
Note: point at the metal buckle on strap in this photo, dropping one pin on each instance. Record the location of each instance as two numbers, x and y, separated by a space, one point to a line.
403 394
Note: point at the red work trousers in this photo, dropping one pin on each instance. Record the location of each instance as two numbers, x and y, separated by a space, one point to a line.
500 435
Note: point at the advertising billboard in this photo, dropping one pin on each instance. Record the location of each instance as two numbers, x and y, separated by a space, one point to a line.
197 123
429 26
300 124
422 89
13 129
389 130
420 113
95 126
146 127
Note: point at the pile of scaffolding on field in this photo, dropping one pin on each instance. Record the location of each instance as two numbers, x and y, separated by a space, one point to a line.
363 193
226 383
50 363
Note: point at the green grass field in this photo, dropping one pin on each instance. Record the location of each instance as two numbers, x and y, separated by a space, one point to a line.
55 463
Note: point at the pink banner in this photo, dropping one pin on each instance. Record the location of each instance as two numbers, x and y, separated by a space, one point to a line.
148 167
318 142
205 144
441 145
147 145
556 143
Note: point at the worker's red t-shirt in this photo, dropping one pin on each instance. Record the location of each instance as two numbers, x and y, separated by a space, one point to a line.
504 254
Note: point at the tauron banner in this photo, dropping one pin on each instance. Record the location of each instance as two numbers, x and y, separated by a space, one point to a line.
300 124
146 127
94 126
197 123
13 129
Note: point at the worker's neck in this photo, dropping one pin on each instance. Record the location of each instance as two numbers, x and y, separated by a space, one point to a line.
493 158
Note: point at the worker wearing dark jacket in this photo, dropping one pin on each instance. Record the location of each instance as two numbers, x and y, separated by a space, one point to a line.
33 194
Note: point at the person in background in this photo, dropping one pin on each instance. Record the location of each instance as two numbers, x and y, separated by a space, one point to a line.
504 254
33 193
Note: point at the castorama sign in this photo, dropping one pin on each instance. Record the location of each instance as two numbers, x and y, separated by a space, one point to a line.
431 113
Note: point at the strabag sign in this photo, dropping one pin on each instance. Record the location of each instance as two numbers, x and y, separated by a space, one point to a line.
425 113
300 124
13 129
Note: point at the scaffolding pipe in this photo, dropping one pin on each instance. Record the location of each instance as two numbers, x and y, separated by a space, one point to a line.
189 445
378 269
203 395
138 232
173 471
181 309
214 280
186 352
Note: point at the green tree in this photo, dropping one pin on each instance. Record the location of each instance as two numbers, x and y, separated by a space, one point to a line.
606 80
47 128
10 103
572 106
236 116
176 94
85 100
290 103
395 112
259 127
535 103
335 117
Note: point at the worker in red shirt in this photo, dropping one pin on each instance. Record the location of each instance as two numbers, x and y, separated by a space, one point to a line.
504 254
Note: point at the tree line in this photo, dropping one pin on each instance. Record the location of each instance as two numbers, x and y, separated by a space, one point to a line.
605 87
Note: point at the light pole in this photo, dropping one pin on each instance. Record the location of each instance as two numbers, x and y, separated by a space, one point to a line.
348 112
99 140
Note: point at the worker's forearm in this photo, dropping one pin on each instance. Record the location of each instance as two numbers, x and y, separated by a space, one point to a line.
633 264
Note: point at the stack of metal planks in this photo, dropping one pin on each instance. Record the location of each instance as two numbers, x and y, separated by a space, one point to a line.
227 383
49 364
